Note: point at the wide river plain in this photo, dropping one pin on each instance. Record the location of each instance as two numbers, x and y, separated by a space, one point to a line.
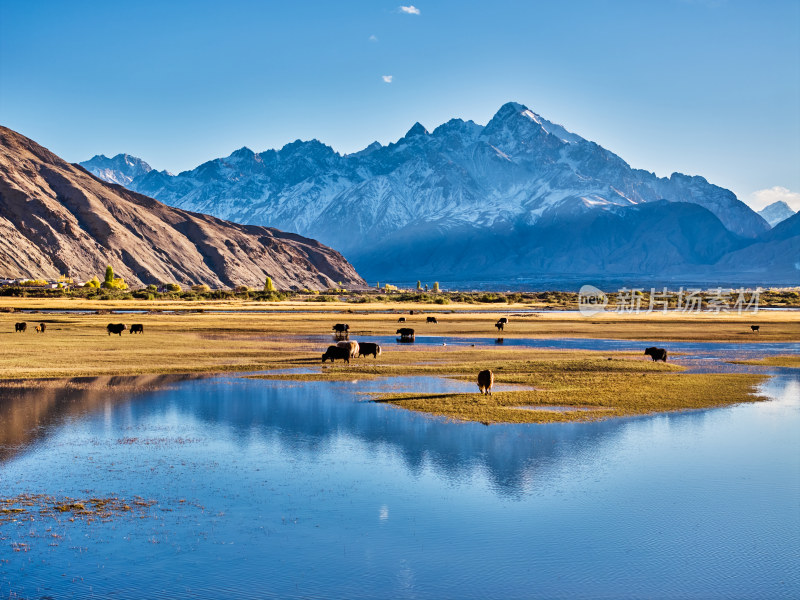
258 488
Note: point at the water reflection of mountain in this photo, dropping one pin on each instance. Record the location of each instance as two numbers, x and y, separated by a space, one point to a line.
308 417
31 409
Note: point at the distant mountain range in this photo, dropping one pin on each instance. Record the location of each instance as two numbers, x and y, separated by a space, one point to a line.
56 218
776 212
518 197
122 169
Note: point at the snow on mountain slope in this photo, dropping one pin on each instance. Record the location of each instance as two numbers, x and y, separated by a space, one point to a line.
121 169
516 171
776 212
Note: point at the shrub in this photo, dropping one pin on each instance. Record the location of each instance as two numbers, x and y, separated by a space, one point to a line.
201 288
268 285
34 283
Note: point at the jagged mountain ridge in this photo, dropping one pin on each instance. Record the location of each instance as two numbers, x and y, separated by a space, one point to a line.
57 218
515 176
120 169
776 212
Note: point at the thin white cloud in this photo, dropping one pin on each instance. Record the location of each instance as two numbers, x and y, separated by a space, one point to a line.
410 10
763 198
386 78
373 38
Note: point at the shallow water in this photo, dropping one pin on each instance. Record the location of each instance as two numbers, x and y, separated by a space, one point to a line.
697 356
304 489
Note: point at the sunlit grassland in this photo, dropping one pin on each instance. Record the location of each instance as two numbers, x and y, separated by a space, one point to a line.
584 385
293 317
792 361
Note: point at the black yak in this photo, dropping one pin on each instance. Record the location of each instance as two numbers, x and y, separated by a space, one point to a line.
367 348
431 320
485 382
656 353
137 328
20 327
334 352
117 328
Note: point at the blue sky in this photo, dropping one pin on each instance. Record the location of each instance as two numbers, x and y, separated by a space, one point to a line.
709 87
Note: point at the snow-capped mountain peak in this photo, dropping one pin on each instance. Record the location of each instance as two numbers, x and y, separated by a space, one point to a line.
776 212
517 172
122 169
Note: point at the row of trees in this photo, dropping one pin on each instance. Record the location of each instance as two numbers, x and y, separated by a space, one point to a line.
112 282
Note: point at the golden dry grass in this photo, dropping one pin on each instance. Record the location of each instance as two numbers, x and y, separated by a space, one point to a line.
792 361
454 319
204 342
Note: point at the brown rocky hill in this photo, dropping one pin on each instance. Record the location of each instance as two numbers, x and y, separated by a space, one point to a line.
56 218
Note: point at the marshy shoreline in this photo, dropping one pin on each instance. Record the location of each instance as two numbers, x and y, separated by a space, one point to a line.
556 384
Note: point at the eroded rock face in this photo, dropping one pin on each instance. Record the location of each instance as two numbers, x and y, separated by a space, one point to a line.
56 218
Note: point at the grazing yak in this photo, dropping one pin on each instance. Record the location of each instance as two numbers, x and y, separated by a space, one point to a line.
755 328
117 328
20 327
137 328
401 320
503 320
405 332
485 382
352 348
656 353
41 328
334 352
431 320
367 348
341 328
500 325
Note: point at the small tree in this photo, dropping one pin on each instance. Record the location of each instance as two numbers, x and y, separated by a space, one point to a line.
378 285
109 280
435 287
419 285
94 282
426 287
268 285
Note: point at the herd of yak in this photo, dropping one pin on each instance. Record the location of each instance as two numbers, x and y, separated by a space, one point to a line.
117 328
346 349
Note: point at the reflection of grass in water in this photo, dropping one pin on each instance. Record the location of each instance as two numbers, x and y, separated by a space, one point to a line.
792 361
